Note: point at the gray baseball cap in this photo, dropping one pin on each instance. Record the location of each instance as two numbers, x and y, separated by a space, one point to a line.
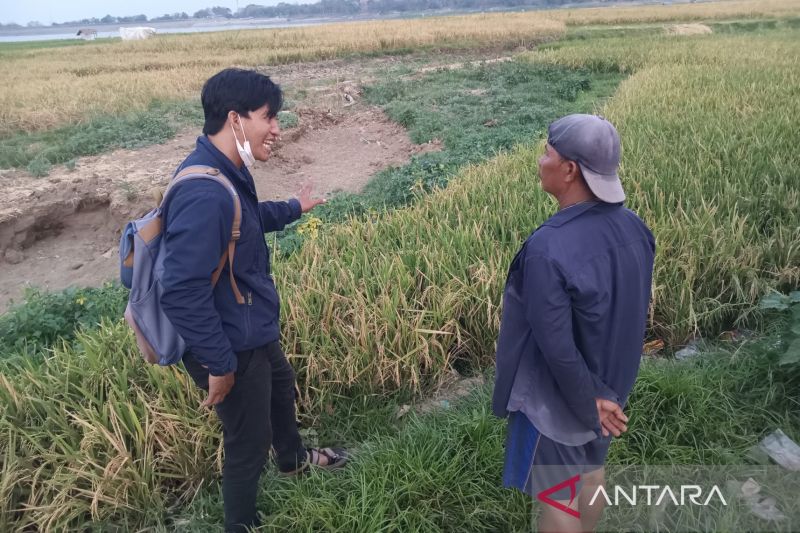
593 143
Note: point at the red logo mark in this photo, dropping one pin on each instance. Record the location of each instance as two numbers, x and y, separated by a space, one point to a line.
571 483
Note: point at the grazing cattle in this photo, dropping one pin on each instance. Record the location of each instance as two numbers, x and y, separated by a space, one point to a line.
87 34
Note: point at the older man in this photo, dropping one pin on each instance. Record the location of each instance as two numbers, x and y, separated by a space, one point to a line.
574 315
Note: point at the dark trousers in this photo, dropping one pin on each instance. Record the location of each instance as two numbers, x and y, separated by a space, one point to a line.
259 411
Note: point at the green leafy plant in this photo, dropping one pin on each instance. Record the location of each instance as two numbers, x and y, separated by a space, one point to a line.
790 305
45 318
288 120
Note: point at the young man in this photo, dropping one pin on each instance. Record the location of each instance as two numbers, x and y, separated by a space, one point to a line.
574 316
233 348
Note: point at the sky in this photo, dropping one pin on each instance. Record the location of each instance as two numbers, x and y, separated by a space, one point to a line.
48 11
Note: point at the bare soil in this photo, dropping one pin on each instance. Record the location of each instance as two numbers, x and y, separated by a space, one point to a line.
63 229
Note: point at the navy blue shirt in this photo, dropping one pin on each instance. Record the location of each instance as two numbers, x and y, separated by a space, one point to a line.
575 309
198 223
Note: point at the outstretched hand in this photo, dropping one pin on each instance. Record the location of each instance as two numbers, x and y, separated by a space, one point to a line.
307 200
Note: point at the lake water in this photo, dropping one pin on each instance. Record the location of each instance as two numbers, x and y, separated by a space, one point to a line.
108 31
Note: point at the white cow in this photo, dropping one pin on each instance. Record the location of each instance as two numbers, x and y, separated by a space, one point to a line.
136 34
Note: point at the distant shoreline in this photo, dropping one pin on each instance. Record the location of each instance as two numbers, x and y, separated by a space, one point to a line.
42 33
171 26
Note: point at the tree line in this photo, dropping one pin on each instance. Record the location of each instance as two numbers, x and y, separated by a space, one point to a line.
319 8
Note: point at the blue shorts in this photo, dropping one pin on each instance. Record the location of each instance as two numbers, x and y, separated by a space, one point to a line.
535 463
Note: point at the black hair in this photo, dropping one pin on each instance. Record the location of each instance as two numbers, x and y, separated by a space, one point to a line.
235 89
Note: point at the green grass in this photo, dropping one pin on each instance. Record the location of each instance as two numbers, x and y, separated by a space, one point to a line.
39 151
441 472
379 309
744 26
24 46
710 410
475 112
638 31
131 437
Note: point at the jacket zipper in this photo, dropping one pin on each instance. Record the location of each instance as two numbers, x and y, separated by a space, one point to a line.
247 316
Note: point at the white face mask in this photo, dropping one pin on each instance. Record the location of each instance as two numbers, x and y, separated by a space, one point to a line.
245 152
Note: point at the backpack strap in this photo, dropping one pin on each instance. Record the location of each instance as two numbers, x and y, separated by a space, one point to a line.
206 172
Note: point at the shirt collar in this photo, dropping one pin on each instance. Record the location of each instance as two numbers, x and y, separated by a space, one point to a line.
205 144
226 165
565 215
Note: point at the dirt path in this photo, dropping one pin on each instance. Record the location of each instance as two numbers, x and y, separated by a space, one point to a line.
63 230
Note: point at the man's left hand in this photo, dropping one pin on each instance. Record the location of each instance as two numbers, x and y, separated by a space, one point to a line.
307 201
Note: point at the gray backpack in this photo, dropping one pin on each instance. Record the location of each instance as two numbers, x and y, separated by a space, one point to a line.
141 252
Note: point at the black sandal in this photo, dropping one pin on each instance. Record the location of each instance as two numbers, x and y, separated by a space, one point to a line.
336 458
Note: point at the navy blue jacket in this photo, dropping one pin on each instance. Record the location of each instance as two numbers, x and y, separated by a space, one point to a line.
575 309
198 223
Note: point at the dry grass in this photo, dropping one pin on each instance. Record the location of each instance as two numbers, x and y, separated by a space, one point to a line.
87 439
688 29
49 87
43 88
731 9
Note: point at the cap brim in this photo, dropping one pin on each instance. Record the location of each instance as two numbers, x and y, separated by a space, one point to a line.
607 188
